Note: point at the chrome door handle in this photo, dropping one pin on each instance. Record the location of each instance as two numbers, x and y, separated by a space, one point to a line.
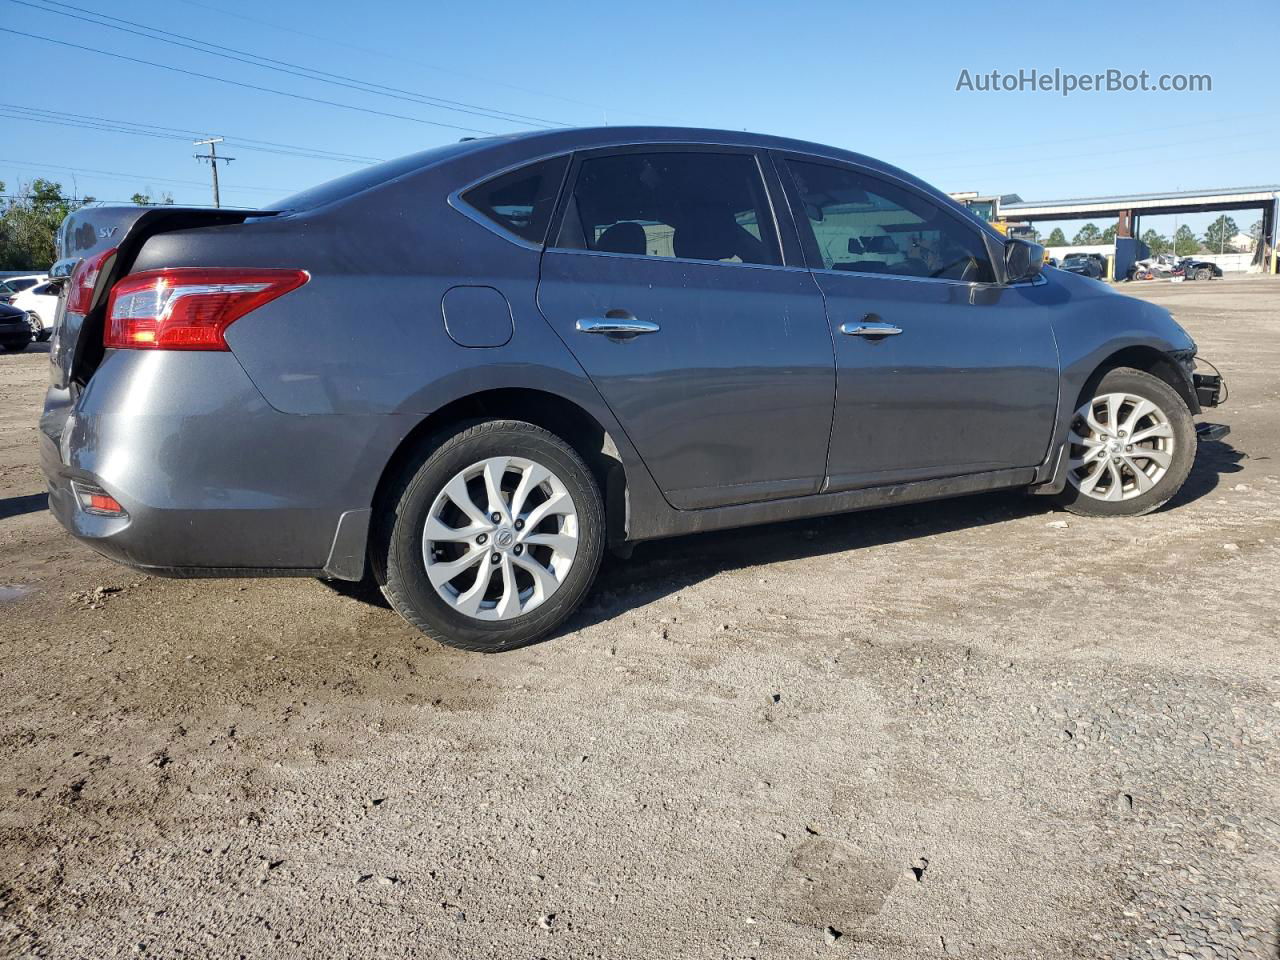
616 327
864 329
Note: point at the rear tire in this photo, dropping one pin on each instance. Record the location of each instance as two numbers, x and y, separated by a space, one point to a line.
517 577
1204 274
1108 475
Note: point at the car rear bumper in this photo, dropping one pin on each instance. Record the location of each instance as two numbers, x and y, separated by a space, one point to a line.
213 481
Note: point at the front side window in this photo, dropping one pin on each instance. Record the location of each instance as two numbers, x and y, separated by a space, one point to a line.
695 206
865 225
521 201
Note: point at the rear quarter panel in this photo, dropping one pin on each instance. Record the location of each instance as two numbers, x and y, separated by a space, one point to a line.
366 335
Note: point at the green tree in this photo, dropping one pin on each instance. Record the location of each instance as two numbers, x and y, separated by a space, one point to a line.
1156 242
1089 234
145 200
1057 238
1185 242
1218 237
28 223
1108 235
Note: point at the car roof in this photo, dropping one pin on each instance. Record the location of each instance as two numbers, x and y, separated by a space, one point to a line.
474 158
545 142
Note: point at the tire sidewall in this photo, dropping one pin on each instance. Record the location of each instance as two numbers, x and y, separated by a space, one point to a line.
1138 383
408 586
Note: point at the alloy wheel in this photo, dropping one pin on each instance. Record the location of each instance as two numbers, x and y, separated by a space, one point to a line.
500 538
1121 446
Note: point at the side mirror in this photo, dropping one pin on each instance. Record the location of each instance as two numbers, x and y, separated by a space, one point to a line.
1023 260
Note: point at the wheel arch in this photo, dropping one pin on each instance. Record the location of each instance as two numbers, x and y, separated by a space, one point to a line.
557 414
1150 360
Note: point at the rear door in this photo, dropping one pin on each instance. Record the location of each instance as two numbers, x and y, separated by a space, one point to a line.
673 284
940 370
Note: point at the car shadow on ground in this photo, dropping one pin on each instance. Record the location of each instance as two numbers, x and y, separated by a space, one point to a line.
1214 458
17 506
661 567
665 566
31 348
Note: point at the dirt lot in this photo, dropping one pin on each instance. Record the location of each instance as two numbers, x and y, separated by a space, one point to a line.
958 729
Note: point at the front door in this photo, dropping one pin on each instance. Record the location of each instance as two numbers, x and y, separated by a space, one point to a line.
667 283
940 371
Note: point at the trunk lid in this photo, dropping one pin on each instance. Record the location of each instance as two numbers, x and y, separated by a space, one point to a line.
114 235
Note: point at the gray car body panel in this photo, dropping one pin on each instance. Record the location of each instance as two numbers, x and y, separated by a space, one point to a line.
267 458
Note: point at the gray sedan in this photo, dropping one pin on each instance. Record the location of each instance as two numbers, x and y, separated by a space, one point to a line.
572 341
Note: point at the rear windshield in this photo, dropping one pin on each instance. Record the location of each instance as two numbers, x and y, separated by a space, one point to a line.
361 180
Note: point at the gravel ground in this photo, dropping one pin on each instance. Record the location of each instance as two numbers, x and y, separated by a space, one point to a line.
974 728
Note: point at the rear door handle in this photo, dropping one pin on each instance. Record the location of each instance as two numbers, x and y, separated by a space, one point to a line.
617 327
869 328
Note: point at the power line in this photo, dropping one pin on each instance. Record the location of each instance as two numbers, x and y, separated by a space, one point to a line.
84 201
280 66
237 83
419 64
131 177
383 54
62 118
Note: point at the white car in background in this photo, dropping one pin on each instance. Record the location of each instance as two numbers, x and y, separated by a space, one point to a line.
9 286
41 303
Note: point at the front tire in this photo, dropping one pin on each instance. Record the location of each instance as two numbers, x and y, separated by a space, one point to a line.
492 537
1131 445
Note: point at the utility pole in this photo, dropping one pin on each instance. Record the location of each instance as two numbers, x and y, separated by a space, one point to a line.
214 160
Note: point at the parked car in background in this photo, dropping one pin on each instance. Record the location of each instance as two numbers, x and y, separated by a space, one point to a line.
15 329
10 286
41 304
579 339
1085 264
1195 269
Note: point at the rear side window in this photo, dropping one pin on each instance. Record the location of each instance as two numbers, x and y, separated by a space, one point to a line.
695 206
520 201
865 225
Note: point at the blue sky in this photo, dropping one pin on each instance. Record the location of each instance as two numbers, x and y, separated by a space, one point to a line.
879 78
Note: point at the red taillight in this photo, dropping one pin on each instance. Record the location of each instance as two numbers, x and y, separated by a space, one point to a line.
104 503
83 279
93 499
189 308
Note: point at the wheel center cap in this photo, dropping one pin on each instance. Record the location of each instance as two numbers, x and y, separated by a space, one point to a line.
504 539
